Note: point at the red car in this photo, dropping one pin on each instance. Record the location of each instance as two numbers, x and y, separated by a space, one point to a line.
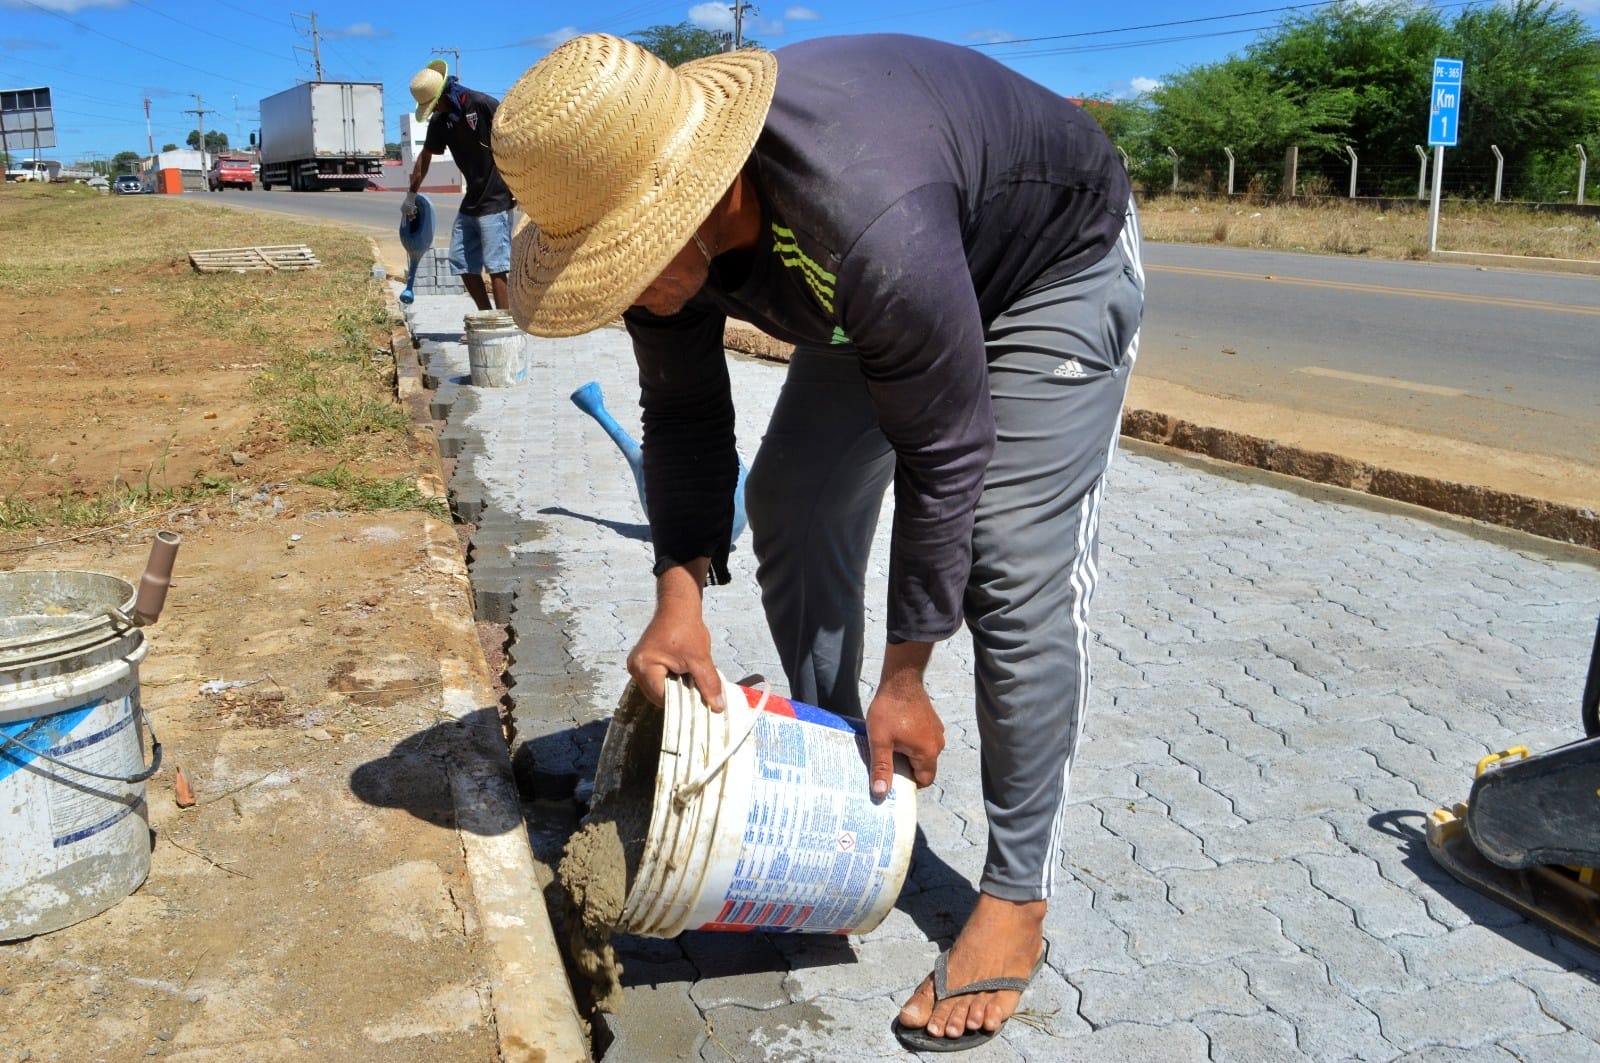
235 172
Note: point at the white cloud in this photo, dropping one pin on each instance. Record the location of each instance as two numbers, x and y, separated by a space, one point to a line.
357 31
711 16
990 36
553 39
801 14
1130 89
65 7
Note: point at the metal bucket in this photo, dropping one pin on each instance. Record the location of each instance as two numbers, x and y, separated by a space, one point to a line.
72 767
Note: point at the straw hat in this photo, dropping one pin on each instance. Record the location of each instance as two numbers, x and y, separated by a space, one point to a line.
427 87
617 158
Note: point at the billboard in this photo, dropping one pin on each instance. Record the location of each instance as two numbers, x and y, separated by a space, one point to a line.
27 120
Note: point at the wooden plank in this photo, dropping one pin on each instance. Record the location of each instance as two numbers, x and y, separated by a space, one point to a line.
241 259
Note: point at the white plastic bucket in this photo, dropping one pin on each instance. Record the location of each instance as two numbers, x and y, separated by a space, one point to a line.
496 349
72 772
761 818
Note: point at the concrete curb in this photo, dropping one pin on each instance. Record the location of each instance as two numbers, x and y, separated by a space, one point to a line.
1551 520
536 1015
1497 261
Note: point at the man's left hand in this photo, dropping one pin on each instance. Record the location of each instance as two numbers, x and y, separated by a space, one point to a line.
902 721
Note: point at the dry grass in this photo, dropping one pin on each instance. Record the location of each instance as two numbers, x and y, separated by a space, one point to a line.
1343 228
117 343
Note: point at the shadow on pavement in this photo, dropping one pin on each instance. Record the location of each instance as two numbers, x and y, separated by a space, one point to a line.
641 532
1405 826
936 896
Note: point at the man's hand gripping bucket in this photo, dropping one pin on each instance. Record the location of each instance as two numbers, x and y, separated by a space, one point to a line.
761 818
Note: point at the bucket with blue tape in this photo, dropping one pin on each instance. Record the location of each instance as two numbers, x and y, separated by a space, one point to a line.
72 758
760 817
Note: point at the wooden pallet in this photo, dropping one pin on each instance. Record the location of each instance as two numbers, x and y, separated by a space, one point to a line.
240 259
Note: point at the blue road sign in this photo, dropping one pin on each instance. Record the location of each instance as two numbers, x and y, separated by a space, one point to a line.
1444 105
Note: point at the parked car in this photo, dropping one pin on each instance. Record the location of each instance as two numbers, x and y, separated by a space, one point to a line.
236 173
127 184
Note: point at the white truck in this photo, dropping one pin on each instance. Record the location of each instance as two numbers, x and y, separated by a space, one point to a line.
47 170
322 134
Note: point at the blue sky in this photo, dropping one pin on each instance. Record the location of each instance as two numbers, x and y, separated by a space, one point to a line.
103 58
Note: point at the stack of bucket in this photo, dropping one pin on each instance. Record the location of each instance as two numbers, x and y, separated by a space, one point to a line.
496 349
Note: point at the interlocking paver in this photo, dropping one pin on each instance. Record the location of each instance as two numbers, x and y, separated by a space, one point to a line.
1284 686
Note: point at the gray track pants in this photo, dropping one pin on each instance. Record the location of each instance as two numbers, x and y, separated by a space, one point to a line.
1059 361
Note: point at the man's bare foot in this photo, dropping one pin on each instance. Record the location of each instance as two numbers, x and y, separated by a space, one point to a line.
1002 939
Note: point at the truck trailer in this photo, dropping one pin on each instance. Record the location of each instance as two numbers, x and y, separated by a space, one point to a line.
322 134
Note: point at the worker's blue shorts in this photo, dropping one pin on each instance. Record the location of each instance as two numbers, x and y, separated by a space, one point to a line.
482 243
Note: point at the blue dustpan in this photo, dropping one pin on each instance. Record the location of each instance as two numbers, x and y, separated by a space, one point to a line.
416 236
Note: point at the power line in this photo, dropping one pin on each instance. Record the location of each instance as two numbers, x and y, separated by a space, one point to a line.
164 58
1163 25
200 29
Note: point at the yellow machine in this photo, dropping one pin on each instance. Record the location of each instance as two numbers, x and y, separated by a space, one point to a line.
1528 834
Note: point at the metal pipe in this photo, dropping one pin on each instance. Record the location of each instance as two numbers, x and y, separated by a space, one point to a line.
1174 168
1229 153
1422 178
1583 171
1348 150
1499 169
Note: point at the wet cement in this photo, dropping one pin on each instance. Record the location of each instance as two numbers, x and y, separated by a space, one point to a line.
601 861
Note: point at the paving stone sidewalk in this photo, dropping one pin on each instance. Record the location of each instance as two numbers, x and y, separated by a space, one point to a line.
1285 684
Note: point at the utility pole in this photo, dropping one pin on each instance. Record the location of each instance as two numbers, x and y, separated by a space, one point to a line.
456 52
199 111
316 42
148 135
739 8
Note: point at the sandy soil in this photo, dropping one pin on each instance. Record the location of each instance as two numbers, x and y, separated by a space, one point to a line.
313 902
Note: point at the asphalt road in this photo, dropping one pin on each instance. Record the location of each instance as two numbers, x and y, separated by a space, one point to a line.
1503 358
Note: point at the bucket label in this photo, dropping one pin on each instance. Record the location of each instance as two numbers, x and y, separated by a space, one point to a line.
817 850
79 806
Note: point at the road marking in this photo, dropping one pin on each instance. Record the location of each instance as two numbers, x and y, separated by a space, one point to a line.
1379 289
1384 381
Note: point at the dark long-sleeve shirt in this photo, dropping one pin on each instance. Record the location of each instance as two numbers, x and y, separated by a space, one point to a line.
910 191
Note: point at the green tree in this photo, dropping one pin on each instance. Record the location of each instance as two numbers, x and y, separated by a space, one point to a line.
678 44
126 162
215 140
1531 86
391 149
1237 104
171 147
1381 55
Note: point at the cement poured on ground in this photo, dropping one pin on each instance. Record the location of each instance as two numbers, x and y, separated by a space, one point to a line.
601 861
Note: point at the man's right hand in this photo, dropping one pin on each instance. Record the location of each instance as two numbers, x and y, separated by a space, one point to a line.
408 206
677 641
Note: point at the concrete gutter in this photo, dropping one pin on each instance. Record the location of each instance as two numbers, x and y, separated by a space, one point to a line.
536 1015
1552 519
1543 265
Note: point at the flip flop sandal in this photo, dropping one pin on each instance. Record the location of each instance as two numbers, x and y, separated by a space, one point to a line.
920 1040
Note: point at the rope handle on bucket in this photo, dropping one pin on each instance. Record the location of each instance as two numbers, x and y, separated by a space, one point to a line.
682 795
155 754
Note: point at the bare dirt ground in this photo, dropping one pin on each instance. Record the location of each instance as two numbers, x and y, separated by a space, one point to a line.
313 902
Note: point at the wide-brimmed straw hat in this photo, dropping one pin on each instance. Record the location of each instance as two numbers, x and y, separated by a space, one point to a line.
428 86
617 158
